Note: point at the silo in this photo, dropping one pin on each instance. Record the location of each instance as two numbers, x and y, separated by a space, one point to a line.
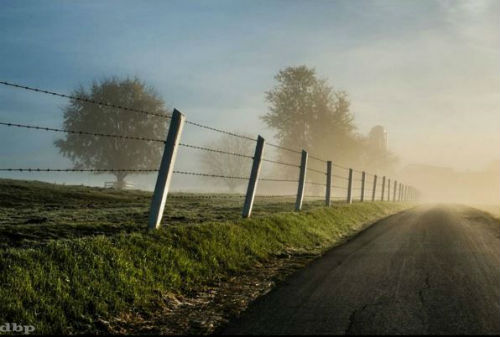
378 137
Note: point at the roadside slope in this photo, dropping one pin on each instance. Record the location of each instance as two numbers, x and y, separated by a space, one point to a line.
85 284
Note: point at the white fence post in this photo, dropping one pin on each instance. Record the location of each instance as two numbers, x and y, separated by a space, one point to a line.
328 183
374 187
166 169
349 188
254 178
383 189
302 180
363 176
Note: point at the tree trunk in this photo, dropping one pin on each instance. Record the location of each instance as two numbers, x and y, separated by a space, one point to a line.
120 180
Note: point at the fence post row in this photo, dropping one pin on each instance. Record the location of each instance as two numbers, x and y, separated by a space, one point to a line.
254 178
363 176
328 195
383 189
394 189
166 169
302 180
374 187
349 188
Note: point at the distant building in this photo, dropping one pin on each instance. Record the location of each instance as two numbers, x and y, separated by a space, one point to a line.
378 137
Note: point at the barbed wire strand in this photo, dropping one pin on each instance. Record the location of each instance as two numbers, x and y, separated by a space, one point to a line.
220 130
215 150
76 170
276 196
313 183
283 148
316 171
279 162
80 132
201 196
277 179
87 100
209 175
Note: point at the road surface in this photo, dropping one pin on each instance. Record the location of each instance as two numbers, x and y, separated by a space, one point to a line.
429 270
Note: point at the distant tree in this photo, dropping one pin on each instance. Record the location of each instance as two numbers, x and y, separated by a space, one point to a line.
96 152
377 159
227 165
307 113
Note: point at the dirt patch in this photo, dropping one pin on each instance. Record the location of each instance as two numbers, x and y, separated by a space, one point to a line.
210 309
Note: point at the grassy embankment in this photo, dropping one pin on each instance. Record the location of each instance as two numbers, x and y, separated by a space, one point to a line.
66 283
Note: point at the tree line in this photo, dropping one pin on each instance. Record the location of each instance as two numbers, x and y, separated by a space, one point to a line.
304 112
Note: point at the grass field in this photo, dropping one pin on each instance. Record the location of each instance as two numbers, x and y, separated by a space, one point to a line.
34 212
75 256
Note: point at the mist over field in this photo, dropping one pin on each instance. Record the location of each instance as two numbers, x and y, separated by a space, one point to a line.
426 72
273 167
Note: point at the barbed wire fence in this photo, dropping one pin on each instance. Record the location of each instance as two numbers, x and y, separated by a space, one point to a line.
340 183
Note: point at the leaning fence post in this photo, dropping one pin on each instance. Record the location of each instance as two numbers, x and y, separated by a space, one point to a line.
166 169
394 190
374 187
302 180
254 178
383 189
328 183
349 188
363 176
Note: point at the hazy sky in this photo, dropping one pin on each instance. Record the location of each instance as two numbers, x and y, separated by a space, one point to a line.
426 70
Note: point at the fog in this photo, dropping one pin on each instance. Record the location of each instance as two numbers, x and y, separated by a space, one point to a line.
427 71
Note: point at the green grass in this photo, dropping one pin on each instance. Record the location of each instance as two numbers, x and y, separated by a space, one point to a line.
69 282
32 213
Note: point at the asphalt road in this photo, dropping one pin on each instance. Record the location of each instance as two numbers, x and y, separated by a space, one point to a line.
430 270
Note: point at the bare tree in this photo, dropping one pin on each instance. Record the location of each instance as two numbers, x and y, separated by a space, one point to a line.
228 165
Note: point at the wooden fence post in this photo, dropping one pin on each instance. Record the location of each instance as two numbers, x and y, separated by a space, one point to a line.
166 169
388 189
349 188
383 189
400 191
374 187
363 177
302 180
254 178
328 183
394 190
